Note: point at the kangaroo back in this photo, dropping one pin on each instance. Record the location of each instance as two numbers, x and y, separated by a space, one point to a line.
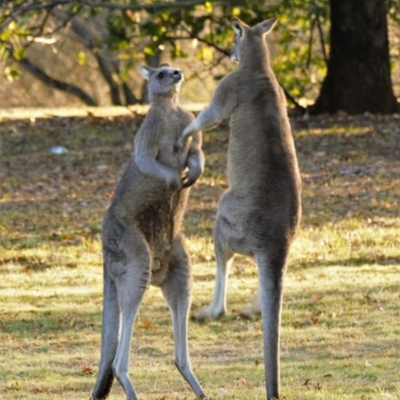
259 213
260 138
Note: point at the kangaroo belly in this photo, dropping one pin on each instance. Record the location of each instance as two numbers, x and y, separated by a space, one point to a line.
230 227
246 223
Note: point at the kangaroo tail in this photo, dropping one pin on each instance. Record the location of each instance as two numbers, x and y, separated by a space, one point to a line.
109 340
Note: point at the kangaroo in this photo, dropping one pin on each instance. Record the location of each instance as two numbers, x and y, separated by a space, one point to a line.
141 238
259 213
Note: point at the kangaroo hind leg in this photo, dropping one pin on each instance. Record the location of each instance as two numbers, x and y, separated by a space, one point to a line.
109 340
132 277
131 288
224 258
254 309
177 291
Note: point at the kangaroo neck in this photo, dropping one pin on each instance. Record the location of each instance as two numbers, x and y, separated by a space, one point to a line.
164 102
255 56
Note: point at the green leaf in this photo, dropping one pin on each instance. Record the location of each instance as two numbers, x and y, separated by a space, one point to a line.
11 74
208 6
19 53
81 58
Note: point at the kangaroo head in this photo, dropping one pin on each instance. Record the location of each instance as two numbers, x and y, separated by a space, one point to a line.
246 35
163 81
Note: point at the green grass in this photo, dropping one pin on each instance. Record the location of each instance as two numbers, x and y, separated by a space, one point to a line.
340 329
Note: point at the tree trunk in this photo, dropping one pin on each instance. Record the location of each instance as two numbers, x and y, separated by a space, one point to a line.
108 64
358 77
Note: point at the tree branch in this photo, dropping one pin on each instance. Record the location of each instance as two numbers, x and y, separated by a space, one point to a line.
137 7
297 106
108 64
310 42
42 5
12 13
322 40
48 80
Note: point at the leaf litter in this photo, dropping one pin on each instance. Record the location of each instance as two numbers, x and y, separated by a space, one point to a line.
351 183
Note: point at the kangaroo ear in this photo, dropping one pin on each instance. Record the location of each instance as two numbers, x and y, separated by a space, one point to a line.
238 26
267 25
145 71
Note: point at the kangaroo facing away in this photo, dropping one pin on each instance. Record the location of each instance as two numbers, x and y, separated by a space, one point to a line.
141 238
259 213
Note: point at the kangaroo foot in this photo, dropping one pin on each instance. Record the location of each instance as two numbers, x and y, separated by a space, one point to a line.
208 313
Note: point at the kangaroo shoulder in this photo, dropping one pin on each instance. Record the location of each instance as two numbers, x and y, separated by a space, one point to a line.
148 135
230 81
228 87
185 115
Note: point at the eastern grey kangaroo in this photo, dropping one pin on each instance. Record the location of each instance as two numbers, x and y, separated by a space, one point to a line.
142 242
260 212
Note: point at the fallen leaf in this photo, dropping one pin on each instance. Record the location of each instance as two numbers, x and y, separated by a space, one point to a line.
315 298
147 324
87 370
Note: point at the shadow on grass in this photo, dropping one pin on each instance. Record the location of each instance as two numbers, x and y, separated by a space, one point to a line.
50 322
352 261
251 272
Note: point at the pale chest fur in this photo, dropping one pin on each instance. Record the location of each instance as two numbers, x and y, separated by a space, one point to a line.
169 128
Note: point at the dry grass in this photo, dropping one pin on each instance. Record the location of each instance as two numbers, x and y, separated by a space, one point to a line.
340 333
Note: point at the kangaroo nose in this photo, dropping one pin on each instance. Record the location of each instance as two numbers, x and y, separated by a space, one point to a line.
177 74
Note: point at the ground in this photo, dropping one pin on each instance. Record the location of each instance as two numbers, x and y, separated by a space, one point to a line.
340 331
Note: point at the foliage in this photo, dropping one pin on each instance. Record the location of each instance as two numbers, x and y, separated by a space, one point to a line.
393 7
132 30
341 303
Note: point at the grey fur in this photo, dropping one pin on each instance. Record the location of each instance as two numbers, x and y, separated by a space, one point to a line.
260 212
142 242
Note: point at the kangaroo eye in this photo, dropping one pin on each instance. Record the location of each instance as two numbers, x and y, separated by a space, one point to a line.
160 75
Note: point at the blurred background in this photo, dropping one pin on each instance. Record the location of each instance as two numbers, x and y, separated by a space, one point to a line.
331 55
70 103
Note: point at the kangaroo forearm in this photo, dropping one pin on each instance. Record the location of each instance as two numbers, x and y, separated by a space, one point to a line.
206 120
195 162
153 168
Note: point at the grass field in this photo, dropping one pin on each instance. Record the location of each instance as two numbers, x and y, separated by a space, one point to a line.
340 326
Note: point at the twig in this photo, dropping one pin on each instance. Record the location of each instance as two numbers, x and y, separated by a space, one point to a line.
24 8
296 104
321 36
66 87
148 6
308 62
216 47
